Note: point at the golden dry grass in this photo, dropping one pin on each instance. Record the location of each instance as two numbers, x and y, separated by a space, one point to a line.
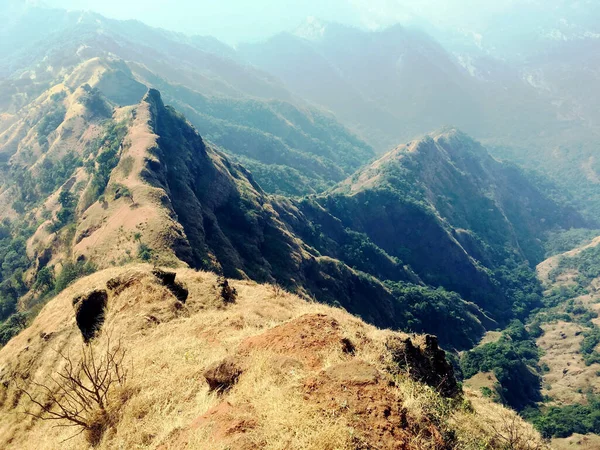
168 404
568 377
577 442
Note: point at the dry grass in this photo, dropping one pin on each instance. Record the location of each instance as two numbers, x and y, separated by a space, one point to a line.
168 403
569 377
577 442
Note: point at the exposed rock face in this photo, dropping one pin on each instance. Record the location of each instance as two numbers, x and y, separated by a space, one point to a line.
90 312
224 374
168 280
425 364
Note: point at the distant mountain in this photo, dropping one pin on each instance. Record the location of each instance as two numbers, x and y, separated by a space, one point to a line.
531 102
293 149
396 84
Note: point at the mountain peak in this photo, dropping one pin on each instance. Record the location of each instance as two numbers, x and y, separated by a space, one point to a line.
313 29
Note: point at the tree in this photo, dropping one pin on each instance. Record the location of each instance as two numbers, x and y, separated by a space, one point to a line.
45 280
67 203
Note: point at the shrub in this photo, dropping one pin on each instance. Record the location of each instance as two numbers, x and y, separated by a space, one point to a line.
13 326
44 281
49 123
144 252
228 294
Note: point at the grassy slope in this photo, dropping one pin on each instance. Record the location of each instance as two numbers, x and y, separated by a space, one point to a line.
168 402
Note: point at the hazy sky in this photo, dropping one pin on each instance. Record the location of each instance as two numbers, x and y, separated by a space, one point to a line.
241 20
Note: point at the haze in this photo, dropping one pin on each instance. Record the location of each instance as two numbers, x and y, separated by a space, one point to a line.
234 21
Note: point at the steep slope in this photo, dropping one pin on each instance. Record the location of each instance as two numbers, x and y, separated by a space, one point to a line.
458 217
152 189
566 331
524 84
289 149
295 375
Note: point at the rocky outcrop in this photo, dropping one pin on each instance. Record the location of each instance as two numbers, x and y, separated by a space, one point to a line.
90 309
222 375
425 363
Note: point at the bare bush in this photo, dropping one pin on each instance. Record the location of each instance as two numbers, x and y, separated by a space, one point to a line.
511 434
80 394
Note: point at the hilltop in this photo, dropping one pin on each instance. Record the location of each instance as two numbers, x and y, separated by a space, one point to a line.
296 375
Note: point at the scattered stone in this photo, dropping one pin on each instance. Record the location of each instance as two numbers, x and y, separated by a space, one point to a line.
46 336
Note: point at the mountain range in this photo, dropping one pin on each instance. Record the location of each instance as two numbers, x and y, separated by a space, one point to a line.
317 165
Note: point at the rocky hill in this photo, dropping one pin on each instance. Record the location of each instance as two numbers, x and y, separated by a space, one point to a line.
261 369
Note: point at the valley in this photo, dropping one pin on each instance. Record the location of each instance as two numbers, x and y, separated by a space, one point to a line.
381 238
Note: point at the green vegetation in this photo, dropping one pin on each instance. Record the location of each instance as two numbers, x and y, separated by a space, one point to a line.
44 282
71 272
144 252
558 242
13 264
590 341
290 151
95 103
436 311
32 187
66 214
586 263
514 360
11 327
106 159
50 122
563 421
521 286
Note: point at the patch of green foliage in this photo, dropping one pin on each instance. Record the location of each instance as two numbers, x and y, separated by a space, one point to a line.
563 421
33 187
437 311
144 252
514 360
586 263
290 151
591 339
95 103
71 272
521 286
107 159
558 242
13 264
11 327
44 282
50 122
66 214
